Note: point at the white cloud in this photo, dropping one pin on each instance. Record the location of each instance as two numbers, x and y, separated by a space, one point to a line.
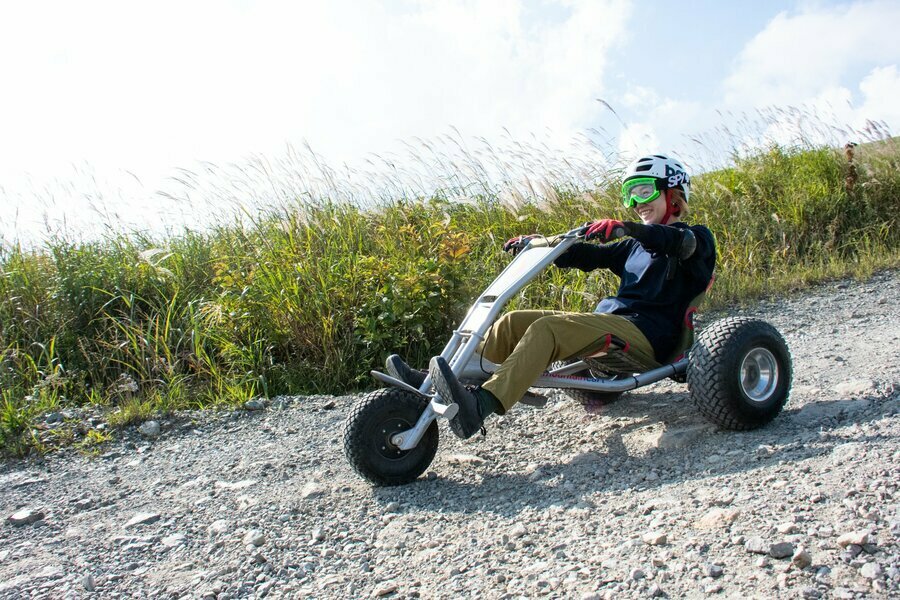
172 82
881 95
150 87
796 57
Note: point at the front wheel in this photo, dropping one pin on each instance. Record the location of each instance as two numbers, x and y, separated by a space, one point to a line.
374 419
739 373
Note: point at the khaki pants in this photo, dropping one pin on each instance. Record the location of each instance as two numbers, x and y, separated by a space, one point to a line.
525 342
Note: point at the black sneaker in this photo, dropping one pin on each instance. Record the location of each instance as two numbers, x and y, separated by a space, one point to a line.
469 420
398 369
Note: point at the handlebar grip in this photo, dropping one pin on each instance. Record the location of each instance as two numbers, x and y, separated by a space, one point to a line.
617 232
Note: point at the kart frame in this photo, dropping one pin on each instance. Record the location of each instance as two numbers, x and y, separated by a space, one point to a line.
536 256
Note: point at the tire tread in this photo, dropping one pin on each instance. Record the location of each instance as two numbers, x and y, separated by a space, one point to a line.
707 372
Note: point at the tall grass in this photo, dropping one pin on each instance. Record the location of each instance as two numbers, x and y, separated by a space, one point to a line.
309 295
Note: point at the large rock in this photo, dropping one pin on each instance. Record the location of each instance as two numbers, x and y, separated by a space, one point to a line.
26 516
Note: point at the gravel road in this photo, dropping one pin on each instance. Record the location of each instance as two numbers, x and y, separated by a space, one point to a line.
636 499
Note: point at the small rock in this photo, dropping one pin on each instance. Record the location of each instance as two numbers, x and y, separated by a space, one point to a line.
655 538
149 429
465 459
254 537
801 558
318 534
143 518
810 593
856 387
386 588
518 531
637 575
171 541
871 570
254 405
26 516
88 582
54 417
857 538
84 503
756 545
718 517
237 485
219 526
714 571
764 451
328 405
675 439
787 528
655 591
781 550
392 507
311 490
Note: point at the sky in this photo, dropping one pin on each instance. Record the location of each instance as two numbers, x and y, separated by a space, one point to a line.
121 111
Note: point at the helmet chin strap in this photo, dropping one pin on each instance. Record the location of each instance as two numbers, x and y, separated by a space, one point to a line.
670 207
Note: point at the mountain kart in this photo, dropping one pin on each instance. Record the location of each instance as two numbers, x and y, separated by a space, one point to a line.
738 372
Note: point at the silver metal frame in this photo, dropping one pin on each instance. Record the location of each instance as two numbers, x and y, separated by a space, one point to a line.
461 348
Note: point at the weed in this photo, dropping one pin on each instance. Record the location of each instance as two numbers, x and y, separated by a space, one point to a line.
92 442
308 295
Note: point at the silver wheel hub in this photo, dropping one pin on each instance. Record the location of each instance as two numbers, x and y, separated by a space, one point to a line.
759 375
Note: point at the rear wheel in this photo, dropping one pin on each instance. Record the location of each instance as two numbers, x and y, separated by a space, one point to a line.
739 373
372 422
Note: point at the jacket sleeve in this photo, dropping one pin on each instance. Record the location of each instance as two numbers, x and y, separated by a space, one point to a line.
684 243
588 257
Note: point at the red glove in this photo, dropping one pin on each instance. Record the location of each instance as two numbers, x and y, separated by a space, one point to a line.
516 244
605 230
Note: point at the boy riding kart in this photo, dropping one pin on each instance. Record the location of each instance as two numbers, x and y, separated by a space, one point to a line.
738 369
663 265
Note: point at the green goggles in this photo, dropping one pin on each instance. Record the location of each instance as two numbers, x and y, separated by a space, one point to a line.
640 190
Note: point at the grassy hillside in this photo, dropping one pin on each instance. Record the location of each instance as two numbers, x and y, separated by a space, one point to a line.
310 297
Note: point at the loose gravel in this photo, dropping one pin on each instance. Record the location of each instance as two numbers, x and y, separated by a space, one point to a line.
640 498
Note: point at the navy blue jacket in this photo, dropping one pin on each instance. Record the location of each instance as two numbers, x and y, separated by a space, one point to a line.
656 287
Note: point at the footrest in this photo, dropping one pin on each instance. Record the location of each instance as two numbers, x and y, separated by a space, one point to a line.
446 411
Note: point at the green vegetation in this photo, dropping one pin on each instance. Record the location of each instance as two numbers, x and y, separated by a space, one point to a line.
310 297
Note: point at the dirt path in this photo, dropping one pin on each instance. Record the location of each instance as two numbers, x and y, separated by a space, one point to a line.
639 499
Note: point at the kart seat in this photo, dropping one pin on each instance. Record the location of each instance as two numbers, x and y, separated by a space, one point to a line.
613 357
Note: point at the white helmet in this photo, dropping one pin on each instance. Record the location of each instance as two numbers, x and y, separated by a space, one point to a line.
668 172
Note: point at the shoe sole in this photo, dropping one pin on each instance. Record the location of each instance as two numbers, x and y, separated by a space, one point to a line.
407 376
446 391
